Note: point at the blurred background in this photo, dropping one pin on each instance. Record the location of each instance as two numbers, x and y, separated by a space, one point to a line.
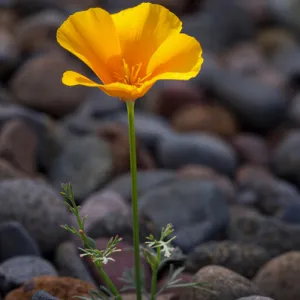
218 156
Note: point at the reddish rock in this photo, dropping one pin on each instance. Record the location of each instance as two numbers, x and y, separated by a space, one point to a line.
64 288
18 145
251 148
37 84
168 98
123 260
215 119
117 136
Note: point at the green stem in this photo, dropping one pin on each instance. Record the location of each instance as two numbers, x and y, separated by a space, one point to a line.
154 276
108 282
134 204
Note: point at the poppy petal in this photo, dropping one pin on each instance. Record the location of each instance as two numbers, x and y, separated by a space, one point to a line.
142 29
91 36
178 58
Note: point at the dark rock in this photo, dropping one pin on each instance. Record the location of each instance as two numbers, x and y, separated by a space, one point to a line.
8 171
146 180
257 105
278 278
178 150
255 298
202 217
271 196
223 285
16 241
86 162
37 84
20 269
294 111
64 288
242 258
69 263
248 146
18 145
37 207
42 295
249 226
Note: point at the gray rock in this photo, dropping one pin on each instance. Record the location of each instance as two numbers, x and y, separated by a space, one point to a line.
146 180
243 258
247 225
223 285
16 241
69 263
37 207
197 209
42 295
21 269
86 162
255 298
205 149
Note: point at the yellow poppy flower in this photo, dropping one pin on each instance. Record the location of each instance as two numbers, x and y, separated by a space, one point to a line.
130 50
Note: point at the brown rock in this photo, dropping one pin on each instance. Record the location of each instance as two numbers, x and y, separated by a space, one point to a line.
133 297
117 136
37 32
9 53
8 18
64 288
124 260
166 99
18 145
221 284
279 278
215 119
8 171
251 149
37 84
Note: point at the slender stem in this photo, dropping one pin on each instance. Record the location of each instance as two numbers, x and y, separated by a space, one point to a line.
134 204
108 282
154 276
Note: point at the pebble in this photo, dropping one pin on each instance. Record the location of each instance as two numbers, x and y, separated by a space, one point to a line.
100 204
147 180
248 226
63 288
69 264
37 207
18 145
37 84
242 258
86 162
202 217
21 269
16 241
223 284
278 278
205 149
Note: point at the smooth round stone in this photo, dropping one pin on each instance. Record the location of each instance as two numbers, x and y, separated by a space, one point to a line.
70 264
21 269
100 204
286 157
223 284
16 241
279 277
257 105
37 207
86 162
146 180
248 226
197 210
205 149
42 295
243 258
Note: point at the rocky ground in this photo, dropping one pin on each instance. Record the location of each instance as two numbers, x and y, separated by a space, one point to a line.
218 156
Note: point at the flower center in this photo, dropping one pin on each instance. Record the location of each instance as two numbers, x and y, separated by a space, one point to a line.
132 75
